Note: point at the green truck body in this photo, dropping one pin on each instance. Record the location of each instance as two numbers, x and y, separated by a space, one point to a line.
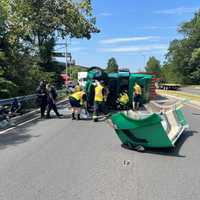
117 83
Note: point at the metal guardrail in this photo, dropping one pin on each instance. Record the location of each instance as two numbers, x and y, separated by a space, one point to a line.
28 103
28 110
7 123
4 102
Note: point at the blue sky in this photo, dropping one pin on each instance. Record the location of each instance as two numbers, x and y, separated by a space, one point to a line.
132 31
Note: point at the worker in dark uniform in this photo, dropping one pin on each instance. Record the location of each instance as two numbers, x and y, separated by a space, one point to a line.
16 108
99 100
41 99
51 100
77 101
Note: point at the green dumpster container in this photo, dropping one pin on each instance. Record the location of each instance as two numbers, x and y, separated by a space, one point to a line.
152 130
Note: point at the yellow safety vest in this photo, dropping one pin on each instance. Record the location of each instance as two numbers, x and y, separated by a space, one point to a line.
77 88
77 95
137 89
99 93
124 99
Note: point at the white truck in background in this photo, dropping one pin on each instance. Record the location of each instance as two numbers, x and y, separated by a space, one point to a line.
82 78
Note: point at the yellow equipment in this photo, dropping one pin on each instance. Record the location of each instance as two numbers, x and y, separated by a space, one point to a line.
123 99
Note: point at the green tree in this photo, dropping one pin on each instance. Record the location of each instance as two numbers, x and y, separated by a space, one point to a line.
195 62
39 23
168 74
112 65
184 54
73 71
7 88
28 31
2 19
153 65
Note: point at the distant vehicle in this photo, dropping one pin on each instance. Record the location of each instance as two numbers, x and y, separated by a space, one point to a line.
65 78
82 78
168 86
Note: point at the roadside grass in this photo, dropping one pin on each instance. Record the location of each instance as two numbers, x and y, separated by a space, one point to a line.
179 94
195 86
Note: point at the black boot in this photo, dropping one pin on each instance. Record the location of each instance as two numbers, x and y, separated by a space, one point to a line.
59 115
48 117
73 116
78 117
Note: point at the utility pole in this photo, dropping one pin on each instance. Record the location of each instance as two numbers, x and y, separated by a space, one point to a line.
66 54
144 56
66 62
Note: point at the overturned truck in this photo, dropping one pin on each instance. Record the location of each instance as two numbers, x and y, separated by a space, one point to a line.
118 83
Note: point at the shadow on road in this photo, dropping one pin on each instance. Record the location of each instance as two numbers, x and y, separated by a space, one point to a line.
159 98
68 116
21 134
195 113
173 152
16 136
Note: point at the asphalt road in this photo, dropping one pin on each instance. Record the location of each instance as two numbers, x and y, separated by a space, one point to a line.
191 89
58 159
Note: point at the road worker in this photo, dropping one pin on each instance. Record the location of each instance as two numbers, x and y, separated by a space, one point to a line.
77 88
77 100
123 100
137 96
42 95
16 108
99 100
51 100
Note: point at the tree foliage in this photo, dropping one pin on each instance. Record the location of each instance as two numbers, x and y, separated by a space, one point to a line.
153 65
112 65
28 34
73 71
183 57
169 74
37 22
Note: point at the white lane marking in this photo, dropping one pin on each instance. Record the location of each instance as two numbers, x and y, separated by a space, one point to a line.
4 131
21 124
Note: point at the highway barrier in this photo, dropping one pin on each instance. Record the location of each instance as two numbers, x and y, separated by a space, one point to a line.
29 109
